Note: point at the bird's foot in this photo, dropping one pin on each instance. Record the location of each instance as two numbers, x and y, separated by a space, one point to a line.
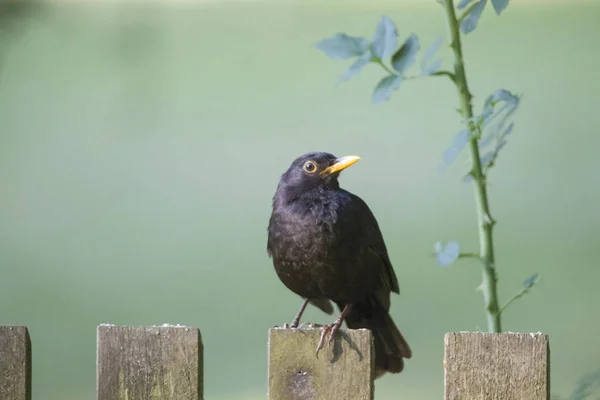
293 325
328 330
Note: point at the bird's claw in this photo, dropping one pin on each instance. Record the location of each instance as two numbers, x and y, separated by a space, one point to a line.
330 329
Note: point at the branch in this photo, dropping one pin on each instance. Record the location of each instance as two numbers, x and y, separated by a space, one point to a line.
385 67
445 73
468 255
449 74
519 294
485 221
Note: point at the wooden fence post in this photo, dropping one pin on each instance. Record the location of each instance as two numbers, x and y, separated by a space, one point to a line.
149 363
490 366
344 371
15 363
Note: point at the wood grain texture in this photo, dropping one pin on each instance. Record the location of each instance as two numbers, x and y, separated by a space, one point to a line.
149 363
15 363
344 371
507 366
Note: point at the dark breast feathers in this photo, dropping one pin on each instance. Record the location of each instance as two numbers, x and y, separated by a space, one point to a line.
330 247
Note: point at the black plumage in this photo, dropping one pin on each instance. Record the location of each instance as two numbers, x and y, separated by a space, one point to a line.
326 245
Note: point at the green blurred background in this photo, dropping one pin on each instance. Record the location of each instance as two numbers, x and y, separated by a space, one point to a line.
140 147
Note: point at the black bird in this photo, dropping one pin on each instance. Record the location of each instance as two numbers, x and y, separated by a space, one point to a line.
326 245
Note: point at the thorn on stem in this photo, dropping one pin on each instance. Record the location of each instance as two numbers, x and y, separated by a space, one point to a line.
488 220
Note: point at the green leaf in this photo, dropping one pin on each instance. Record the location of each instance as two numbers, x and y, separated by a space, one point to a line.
499 5
406 54
483 119
501 95
446 255
510 110
507 131
487 158
469 24
357 66
458 143
496 132
529 282
341 46
486 140
496 135
587 386
463 4
432 68
428 68
499 105
385 39
385 87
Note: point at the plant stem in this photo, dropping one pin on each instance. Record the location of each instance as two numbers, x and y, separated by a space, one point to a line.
485 221
468 255
389 71
519 294
437 73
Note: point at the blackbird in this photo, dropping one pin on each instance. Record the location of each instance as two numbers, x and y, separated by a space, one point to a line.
326 245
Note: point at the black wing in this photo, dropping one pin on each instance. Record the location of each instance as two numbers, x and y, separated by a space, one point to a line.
374 244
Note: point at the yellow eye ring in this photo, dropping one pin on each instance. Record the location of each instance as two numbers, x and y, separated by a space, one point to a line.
310 167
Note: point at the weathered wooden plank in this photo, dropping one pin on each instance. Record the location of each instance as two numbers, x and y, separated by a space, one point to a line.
344 371
149 363
15 363
498 366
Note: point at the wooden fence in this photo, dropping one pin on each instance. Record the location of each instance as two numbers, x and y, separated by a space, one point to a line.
165 362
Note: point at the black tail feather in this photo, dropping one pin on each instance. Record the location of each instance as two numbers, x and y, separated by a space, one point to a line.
390 346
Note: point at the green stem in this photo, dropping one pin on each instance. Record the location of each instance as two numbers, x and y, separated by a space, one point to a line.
385 67
519 294
468 255
444 73
516 296
437 73
485 221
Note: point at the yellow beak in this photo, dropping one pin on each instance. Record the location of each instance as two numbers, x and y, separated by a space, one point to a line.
340 164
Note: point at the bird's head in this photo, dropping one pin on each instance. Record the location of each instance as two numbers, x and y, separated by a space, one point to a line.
313 171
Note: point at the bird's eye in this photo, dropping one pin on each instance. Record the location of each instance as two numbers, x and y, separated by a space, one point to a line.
310 167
